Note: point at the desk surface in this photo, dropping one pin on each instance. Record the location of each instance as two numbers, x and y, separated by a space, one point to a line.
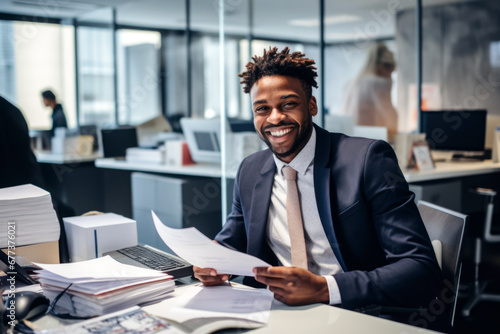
200 169
68 158
443 170
317 318
446 170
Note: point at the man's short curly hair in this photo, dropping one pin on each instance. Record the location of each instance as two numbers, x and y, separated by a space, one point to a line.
281 63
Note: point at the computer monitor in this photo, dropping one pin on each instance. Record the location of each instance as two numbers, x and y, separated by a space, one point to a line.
203 138
241 125
455 130
116 141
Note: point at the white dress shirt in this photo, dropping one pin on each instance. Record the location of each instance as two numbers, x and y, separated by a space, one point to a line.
320 257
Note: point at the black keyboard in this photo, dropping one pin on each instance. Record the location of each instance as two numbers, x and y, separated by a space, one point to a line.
158 261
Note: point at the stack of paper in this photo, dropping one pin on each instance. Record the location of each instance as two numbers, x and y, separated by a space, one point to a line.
102 285
27 216
146 155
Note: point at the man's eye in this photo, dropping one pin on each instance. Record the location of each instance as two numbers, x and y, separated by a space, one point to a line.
290 104
261 109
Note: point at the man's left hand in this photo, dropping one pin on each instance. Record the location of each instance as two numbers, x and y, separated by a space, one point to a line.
294 286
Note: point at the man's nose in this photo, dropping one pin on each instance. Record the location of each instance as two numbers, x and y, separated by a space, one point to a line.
275 116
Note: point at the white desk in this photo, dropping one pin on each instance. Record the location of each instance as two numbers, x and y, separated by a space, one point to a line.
317 318
443 170
69 158
200 169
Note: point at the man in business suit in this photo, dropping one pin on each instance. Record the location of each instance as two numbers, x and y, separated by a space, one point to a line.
18 164
365 241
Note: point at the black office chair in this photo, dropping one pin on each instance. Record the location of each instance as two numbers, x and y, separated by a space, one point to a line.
487 235
446 230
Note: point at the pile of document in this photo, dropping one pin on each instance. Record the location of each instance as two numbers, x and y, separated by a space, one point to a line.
146 155
102 285
27 216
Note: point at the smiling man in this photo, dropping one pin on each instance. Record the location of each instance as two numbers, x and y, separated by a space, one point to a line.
359 240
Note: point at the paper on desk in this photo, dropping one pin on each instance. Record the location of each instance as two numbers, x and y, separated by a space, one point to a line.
194 247
98 269
217 302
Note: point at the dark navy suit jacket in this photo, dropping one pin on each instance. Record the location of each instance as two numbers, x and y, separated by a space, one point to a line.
368 214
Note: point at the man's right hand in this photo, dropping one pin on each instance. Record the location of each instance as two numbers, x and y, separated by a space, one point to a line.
209 276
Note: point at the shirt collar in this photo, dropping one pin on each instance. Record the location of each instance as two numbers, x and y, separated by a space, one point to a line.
302 160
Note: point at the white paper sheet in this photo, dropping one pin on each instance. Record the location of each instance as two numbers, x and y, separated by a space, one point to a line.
101 268
217 302
194 247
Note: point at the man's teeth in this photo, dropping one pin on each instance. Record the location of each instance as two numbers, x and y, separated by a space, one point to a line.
280 132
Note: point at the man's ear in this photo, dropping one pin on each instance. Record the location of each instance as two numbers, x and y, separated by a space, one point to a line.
313 106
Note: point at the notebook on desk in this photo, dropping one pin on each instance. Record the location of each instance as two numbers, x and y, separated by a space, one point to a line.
152 258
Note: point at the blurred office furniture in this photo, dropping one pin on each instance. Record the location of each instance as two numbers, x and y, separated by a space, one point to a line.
41 139
372 132
178 202
446 230
90 130
487 235
241 125
116 141
403 143
445 193
340 123
447 227
175 121
203 139
459 132
147 132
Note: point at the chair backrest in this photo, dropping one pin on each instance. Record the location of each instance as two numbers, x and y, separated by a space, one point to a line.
449 228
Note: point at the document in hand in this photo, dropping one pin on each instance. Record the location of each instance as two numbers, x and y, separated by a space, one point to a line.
197 249
102 285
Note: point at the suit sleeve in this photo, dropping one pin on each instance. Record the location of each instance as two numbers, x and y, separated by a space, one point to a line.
233 233
411 276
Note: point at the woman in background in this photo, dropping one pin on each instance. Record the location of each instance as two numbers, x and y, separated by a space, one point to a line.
368 98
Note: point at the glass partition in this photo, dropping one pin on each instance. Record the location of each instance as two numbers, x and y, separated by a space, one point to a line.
139 86
96 68
461 66
362 64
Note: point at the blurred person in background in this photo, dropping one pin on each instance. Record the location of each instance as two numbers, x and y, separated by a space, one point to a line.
368 97
58 117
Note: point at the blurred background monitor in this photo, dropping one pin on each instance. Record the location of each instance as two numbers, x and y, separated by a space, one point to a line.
455 130
116 141
203 138
241 125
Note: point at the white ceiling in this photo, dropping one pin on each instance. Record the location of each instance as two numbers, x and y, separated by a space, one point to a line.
284 19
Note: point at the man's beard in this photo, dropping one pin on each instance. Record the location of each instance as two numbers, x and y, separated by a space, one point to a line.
299 140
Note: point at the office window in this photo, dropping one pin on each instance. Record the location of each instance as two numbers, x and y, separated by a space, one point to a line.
96 76
35 57
139 86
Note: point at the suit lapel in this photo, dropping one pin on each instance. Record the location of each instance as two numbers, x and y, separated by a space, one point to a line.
322 180
261 199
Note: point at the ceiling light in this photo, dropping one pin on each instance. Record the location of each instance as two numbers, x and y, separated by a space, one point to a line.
329 20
